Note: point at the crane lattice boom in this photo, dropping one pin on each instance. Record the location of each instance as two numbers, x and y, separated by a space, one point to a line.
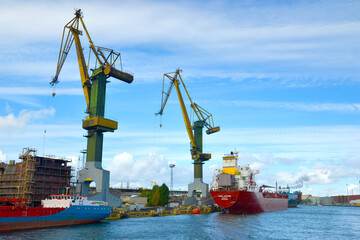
200 112
105 58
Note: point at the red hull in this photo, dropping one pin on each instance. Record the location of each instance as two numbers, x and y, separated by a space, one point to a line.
249 202
7 227
8 211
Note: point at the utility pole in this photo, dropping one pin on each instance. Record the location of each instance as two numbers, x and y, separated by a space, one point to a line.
171 165
84 151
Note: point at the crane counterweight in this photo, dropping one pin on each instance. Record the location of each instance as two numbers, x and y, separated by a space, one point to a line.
123 76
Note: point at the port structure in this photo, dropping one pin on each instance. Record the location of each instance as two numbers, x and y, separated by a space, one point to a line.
94 87
34 177
195 131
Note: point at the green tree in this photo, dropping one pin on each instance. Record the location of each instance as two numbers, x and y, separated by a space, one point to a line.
164 194
145 194
155 198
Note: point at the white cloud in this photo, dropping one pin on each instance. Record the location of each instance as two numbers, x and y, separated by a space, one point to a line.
28 100
214 167
329 142
318 175
220 33
2 156
265 146
299 106
149 23
352 187
172 162
8 108
76 165
22 91
139 172
75 162
142 171
11 123
256 161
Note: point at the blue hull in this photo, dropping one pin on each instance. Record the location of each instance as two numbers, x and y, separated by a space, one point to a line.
293 200
74 215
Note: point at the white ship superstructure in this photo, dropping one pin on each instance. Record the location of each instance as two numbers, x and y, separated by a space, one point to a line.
232 176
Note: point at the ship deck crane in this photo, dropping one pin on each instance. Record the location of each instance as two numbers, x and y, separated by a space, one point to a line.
205 119
94 87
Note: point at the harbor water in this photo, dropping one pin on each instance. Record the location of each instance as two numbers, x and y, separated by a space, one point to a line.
304 222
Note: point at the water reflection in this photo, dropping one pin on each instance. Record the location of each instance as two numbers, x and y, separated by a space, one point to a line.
234 225
305 222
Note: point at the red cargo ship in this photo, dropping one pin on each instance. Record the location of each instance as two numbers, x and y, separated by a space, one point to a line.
59 210
234 189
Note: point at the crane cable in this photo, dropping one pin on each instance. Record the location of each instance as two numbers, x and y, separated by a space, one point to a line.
53 94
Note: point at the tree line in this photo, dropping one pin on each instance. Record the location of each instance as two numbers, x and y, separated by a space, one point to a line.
158 196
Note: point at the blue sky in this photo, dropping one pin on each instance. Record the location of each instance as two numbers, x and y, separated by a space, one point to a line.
281 78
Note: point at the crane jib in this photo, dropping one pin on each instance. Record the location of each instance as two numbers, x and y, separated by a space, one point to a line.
205 117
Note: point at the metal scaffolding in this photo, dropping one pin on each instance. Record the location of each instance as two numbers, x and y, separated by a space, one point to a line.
35 178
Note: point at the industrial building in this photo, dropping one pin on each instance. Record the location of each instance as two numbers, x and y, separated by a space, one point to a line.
34 178
345 198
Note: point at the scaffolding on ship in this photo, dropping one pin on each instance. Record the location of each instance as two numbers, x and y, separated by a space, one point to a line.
34 178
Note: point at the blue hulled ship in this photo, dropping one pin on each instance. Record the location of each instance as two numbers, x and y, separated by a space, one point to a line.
294 196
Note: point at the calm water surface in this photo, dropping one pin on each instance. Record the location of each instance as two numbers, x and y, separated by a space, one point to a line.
304 222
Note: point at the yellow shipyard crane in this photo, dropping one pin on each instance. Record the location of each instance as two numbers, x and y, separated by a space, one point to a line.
94 87
107 63
205 119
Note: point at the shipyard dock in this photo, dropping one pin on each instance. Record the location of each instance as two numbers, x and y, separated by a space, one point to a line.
155 212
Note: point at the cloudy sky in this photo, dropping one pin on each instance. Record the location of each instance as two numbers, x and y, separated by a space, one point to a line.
281 78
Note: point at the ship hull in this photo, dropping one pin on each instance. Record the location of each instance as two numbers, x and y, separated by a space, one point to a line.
34 218
293 200
248 201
